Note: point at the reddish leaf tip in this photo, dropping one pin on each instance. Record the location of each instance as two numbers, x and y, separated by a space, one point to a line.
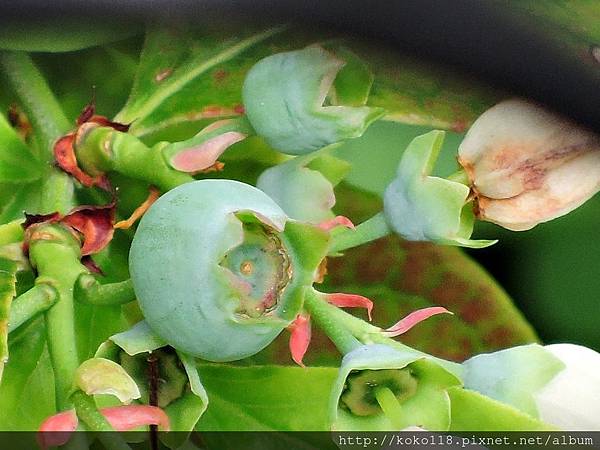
337 221
300 330
57 429
350 301
415 317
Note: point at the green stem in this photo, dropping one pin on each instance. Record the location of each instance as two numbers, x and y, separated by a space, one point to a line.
49 123
102 149
89 290
374 228
94 421
348 332
55 253
36 98
31 303
390 406
330 319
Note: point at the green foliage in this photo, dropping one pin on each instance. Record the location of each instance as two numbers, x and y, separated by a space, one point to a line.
186 79
62 34
8 280
266 398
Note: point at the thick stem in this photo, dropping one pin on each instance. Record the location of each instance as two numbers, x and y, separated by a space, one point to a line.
94 421
327 317
89 290
55 253
31 303
374 228
49 123
102 149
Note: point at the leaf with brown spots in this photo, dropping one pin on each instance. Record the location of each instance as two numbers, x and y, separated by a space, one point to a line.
401 277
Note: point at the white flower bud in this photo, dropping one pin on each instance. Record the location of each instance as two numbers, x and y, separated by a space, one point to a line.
571 400
527 165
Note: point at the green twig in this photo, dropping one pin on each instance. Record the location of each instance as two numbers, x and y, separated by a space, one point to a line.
89 290
55 253
331 320
102 149
94 421
49 123
36 98
31 303
374 228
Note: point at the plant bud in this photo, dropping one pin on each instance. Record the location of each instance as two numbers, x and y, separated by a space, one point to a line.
219 270
527 166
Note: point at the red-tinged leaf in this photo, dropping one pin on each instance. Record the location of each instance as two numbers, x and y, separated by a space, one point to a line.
205 155
350 301
32 219
88 114
56 430
64 154
300 330
88 111
104 122
127 417
95 223
336 222
415 317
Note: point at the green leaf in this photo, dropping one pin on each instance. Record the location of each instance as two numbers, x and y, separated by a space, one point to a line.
176 78
17 163
570 23
62 34
8 281
284 97
27 389
472 411
302 192
401 276
418 93
266 398
138 339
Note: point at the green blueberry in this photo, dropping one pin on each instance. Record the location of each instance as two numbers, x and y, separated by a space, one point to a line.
219 270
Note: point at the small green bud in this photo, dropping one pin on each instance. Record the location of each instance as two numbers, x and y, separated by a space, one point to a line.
284 97
421 207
